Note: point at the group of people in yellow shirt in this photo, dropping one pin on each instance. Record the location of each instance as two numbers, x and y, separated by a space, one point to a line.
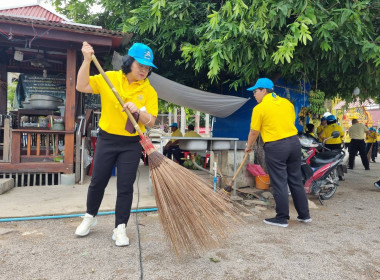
358 131
172 147
324 131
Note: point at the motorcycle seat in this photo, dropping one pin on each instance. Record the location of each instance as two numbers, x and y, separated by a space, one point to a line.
324 158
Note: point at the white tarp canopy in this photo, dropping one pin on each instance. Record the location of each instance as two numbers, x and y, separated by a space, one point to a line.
217 105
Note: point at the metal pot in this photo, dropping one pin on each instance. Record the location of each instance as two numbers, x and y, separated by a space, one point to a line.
45 97
45 104
26 105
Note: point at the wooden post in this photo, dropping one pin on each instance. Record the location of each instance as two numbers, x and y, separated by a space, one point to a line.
16 147
7 140
29 144
70 105
38 144
3 88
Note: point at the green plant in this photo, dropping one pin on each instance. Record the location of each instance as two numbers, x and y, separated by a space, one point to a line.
11 92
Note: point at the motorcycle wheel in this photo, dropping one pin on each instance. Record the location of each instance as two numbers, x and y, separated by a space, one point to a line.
330 193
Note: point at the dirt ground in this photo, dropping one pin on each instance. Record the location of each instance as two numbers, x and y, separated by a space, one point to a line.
342 242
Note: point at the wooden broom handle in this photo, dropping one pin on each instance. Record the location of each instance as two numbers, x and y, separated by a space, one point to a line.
117 95
240 167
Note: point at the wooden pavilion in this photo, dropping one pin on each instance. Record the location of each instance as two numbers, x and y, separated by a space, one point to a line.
55 43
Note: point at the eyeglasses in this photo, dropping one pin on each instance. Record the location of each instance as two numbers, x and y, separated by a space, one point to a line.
144 67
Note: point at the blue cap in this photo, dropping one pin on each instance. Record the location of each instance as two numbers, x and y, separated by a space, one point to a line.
174 124
323 119
262 83
330 118
142 54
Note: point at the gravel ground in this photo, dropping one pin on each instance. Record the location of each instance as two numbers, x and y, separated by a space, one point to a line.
342 242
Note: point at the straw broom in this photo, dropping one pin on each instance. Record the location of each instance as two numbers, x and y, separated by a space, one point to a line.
194 218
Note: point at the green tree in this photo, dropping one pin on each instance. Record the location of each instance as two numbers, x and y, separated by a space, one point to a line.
11 92
333 44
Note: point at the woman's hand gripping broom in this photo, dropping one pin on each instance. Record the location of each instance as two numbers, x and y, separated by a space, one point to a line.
193 217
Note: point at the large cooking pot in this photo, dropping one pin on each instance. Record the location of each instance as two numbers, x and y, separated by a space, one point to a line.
45 102
45 97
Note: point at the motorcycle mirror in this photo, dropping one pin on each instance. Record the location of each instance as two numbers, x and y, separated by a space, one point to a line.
335 134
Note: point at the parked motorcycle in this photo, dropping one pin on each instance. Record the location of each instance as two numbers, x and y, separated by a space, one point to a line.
319 166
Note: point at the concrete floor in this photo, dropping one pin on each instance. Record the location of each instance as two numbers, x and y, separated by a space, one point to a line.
59 200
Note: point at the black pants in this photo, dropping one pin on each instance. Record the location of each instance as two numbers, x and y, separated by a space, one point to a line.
355 146
176 152
283 160
125 152
337 147
374 150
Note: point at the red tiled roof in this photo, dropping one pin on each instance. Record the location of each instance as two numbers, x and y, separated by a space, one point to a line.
35 11
66 25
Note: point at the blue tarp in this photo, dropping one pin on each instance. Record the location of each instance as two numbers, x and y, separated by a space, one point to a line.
237 125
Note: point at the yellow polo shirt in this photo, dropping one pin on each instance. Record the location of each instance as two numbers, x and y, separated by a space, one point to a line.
329 129
274 117
372 137
347 138
378 137
191 133
319 129
113 119
176 133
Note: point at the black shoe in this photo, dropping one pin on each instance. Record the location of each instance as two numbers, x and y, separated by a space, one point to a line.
350 168
374 160
341 178
367 168
304 220
377 184
276 222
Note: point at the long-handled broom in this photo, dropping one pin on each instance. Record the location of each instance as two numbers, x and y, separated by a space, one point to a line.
193 217
228 188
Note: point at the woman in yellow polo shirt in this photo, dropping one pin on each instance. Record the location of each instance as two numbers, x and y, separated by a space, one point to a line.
371 142
116 145
273 117
332 143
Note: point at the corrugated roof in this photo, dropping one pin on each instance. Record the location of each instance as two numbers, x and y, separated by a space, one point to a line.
50 24
35 11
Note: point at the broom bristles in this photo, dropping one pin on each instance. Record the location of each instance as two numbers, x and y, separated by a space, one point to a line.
193 216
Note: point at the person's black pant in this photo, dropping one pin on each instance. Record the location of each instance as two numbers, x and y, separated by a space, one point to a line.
125 152
176 152
283 160
355 146
374 150
337 147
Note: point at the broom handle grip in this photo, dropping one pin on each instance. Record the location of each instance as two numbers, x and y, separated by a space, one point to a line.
240 167
117 95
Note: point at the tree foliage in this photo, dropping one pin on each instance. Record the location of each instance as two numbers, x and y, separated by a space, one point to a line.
335 45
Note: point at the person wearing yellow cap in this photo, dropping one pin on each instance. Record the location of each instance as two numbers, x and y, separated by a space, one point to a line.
274 118
118 141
